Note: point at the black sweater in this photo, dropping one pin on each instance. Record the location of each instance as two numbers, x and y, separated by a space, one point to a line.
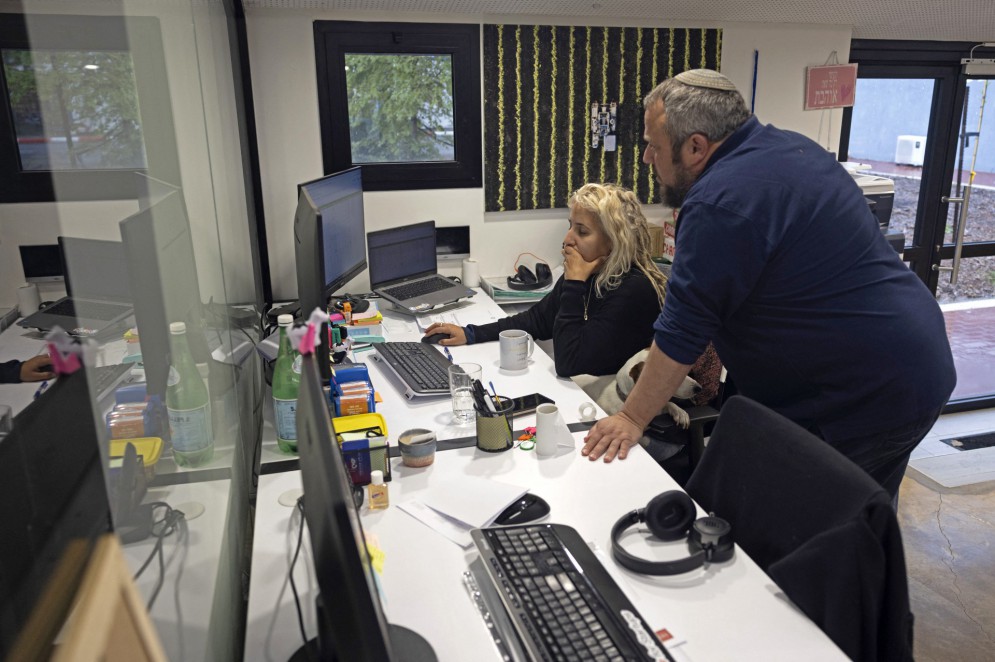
619 324
10 372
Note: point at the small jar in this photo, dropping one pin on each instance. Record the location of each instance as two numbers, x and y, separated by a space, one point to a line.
379 499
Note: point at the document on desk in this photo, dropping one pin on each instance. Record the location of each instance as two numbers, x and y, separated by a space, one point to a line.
456 505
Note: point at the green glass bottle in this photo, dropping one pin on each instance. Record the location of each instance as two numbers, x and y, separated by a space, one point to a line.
187 403
286 385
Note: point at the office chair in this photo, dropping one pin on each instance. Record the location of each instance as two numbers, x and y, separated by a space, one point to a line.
815 522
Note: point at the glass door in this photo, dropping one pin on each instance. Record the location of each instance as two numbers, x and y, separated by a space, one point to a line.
930 129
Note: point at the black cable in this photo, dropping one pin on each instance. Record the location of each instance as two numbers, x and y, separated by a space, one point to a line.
166 526
154 505
293 585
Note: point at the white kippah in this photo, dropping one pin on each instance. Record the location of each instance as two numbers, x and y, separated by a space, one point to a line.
706 78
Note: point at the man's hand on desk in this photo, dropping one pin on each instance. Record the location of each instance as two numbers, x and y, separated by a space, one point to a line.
612 436
455 333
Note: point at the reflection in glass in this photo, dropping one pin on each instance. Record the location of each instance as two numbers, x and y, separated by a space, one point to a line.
400 107
74 110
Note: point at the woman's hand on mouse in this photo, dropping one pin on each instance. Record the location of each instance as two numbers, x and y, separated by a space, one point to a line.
575 267
455 333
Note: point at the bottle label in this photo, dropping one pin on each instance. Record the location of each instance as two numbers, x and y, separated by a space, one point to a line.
190 429
174 377
297 364
285 413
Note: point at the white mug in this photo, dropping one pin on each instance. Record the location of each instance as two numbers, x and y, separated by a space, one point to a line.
516 348
28 299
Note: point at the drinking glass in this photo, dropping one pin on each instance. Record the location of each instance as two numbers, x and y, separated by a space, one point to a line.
462 377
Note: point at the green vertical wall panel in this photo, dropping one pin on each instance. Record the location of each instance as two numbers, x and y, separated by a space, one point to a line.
539 84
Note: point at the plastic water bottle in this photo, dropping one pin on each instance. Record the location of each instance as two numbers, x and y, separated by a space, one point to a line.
286 386
187 404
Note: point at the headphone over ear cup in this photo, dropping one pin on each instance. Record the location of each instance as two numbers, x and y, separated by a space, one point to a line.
670 516
524 279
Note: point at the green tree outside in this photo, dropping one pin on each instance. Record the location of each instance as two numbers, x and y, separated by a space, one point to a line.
86 99
400 107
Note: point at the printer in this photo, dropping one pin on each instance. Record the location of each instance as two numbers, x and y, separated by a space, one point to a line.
878 191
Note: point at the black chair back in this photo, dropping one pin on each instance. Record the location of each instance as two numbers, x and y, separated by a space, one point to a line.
815 522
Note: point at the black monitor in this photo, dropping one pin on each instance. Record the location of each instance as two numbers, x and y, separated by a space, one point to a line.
351 622
452 243
329 236
41 263
163 274
52 491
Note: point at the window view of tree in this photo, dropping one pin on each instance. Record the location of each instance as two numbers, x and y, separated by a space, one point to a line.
400 107
74 110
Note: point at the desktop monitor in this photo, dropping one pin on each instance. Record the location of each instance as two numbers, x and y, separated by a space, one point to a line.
329 236
452 243
163 273
52 491
351 622
41 263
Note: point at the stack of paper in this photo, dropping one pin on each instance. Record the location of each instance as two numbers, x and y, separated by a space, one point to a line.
456 505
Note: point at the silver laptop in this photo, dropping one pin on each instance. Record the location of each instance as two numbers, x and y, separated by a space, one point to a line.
98 296
404 270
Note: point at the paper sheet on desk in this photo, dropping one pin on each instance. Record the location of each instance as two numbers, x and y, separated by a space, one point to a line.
455 505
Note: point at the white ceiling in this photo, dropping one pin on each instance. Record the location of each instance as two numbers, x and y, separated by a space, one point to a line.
942 20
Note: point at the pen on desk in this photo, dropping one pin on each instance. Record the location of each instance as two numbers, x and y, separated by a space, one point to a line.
41 389
449 355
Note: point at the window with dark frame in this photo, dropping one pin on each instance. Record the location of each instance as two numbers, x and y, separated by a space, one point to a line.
402 100
75 95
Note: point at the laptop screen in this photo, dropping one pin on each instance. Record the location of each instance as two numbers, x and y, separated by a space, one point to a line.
95 269
404 252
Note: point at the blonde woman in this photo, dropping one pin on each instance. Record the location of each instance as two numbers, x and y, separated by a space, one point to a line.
602 310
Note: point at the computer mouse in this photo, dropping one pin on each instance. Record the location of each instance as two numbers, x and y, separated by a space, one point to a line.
435 338
527 509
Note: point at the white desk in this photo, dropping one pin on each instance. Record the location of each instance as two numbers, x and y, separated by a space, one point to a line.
435 412
728 611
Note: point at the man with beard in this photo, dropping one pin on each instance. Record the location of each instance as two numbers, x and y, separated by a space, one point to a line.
780 262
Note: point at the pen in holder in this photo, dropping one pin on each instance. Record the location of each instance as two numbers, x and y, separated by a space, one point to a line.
494 431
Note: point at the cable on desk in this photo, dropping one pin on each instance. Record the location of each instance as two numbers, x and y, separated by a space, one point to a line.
293 585
166 526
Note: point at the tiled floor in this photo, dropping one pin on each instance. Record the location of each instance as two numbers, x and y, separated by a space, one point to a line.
949 536
971 330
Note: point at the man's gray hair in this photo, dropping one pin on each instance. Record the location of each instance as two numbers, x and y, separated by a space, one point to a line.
690 109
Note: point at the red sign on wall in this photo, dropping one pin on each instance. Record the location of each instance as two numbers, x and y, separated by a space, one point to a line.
830 86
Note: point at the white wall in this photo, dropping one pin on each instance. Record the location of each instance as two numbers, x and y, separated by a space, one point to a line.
281 50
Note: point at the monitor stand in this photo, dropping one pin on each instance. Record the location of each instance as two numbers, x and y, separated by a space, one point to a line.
407 646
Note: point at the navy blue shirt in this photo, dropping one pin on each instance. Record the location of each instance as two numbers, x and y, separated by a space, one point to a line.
780 262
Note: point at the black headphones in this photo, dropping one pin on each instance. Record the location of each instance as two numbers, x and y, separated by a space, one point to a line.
524 279
670 516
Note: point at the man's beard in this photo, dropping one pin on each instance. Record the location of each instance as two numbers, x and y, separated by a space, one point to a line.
673 196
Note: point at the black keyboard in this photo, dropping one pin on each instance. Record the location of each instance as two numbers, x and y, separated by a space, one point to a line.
562 601
422 367
419 288
91 310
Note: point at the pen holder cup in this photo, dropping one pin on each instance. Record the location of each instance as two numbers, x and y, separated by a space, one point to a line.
494 430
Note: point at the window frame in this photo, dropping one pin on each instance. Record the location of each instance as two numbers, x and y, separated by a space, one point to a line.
333 39
139 36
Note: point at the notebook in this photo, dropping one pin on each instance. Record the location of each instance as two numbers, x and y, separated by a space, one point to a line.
98 297
404 270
